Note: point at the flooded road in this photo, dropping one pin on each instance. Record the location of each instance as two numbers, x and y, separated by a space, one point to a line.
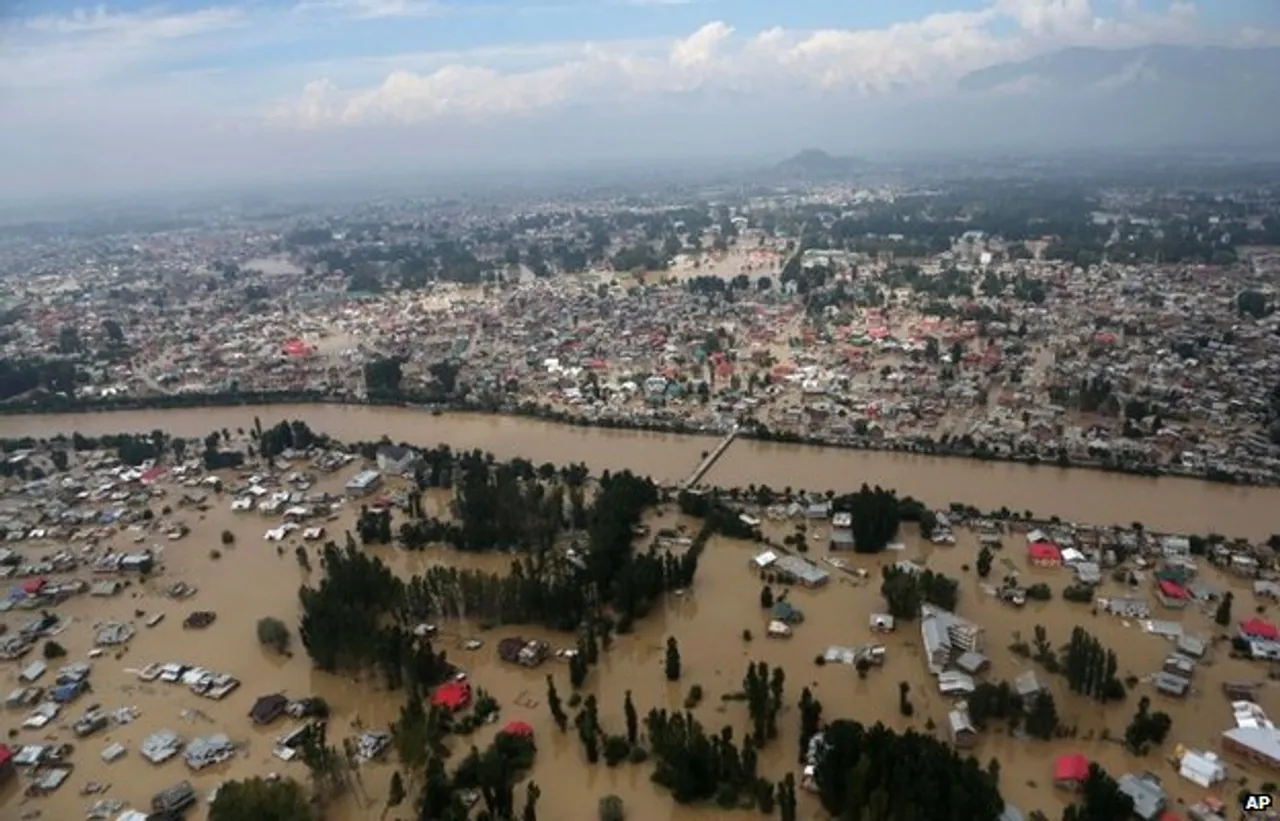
254 578
1167 504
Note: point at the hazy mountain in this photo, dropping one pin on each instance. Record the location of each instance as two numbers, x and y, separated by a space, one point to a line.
814 164
1168 68
1156 96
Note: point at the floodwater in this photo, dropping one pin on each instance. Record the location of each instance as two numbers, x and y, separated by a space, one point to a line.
251 579
1166 504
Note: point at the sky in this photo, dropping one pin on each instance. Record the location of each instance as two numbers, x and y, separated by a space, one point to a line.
134 96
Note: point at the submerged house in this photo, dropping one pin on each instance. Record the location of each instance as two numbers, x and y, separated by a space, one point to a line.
1070 772
268 708
963 733
516 650
946 637
1148 795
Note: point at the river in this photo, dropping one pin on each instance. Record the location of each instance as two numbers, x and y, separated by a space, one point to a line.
1166 503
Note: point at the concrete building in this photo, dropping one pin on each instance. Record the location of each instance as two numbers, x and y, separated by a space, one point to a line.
364 483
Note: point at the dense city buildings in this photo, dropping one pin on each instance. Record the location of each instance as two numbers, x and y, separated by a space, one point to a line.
1044 322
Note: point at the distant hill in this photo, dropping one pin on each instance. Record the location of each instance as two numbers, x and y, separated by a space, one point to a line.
1172 68
814 164
1137 98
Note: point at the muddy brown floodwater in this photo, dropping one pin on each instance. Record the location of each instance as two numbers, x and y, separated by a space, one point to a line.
1167 504
252 579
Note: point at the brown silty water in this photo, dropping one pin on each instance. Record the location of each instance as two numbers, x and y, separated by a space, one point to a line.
1168 504
252 580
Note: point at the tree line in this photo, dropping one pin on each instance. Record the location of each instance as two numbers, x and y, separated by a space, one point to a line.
905 590
876 774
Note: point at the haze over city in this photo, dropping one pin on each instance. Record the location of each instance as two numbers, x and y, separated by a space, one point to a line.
135 96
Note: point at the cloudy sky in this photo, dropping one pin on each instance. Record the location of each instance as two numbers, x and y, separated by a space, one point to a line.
133 96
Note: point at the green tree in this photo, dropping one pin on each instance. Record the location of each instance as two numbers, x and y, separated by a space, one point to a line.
1146 729
766 597
1101 799
556 707
1223 614
273 633
1042 720
633 721
612 809
262 800
985 557
396 793
672 666
531 795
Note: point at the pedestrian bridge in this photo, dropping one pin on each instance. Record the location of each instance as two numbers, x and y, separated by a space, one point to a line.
710 459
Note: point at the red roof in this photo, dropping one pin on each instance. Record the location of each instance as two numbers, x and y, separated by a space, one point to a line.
296 347
6 754
33 586
153 474
454 695
1259 628
1044 550
1071 768
1173 590
520 728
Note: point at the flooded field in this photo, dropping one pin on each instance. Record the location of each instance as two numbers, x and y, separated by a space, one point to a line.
254 578
1168 504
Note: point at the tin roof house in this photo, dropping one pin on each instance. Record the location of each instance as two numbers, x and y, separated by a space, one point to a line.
947 636
1148 794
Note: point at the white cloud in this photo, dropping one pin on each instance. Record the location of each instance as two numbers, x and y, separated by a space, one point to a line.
922 55
109 95
137 27
92 45
377 9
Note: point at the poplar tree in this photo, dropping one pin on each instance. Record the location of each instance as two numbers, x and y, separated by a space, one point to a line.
673 660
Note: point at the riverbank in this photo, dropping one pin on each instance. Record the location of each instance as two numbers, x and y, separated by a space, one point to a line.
923 446
1171 504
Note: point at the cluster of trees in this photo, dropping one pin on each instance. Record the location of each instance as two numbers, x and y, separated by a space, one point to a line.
374 526
1146 729
876 517
1091 668
1042 716
215 458
355 619
719 517
494 774
382 377
545 588
588 654
906 590
22 376
59 403
810 722
286 435
763 689
876 773
644 256
1100 799
990 701
277 800
696 767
